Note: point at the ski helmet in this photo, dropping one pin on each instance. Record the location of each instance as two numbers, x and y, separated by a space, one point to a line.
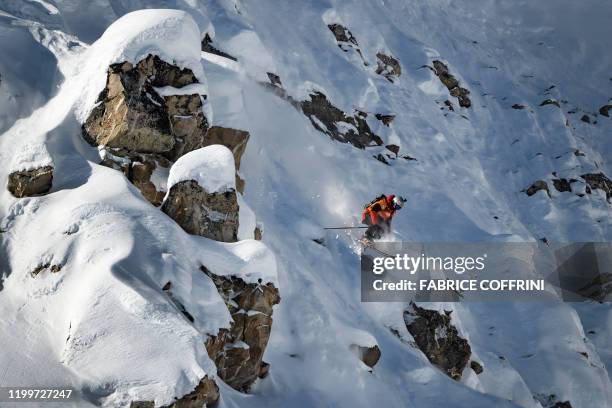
398 202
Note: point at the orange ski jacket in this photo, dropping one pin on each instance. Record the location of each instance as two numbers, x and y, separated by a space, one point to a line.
378 210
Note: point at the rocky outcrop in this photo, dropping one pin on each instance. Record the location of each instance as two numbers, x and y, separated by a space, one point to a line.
438 339
139 169
452 84
332 121
208 47
537 186
238 352
598 181
385 119
206 394
563 185
140 129
476 367
346 40
605 110
388 66
550 102
235 140
211 215
28 183
369 355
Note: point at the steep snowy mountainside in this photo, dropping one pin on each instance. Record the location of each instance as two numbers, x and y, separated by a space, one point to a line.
527 158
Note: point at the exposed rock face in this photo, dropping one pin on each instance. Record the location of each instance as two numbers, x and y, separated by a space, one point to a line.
233 139
598 181
585 119
550 102
563 184
28 183
476 366
518 106
238 352
139 129
198 212
332 121
451 83
388 66
385 119
208 47
369 355
139 169
438 339
206 394
605 110
188 123
345 39
537 186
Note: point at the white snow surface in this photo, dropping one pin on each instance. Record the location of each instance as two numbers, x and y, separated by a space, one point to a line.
212 167
104 326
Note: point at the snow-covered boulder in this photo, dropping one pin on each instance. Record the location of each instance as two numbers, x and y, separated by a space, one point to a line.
235 140
202 196
31 171
151 108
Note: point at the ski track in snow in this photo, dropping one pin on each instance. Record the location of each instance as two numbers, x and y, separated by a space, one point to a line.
80 327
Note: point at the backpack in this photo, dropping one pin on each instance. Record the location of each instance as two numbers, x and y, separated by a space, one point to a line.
380 197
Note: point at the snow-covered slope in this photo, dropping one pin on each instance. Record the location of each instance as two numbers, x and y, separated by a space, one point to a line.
104 326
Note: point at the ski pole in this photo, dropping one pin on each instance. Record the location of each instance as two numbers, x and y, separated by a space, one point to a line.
335 228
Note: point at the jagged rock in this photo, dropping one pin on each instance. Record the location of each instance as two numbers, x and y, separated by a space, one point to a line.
188 123
198 212
550 102
47 266
388 66
385 119
449 105
550 401
131 115
562 185
345 39
330 120
537 186
518 106
369 355
142 404
605 110
258 233
28 183
451 83
206 394
394 148
274 79
238 352
138 169
438 339
208 47
476 366
585 119
599 181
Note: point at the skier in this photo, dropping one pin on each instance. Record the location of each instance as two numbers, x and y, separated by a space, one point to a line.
377 215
